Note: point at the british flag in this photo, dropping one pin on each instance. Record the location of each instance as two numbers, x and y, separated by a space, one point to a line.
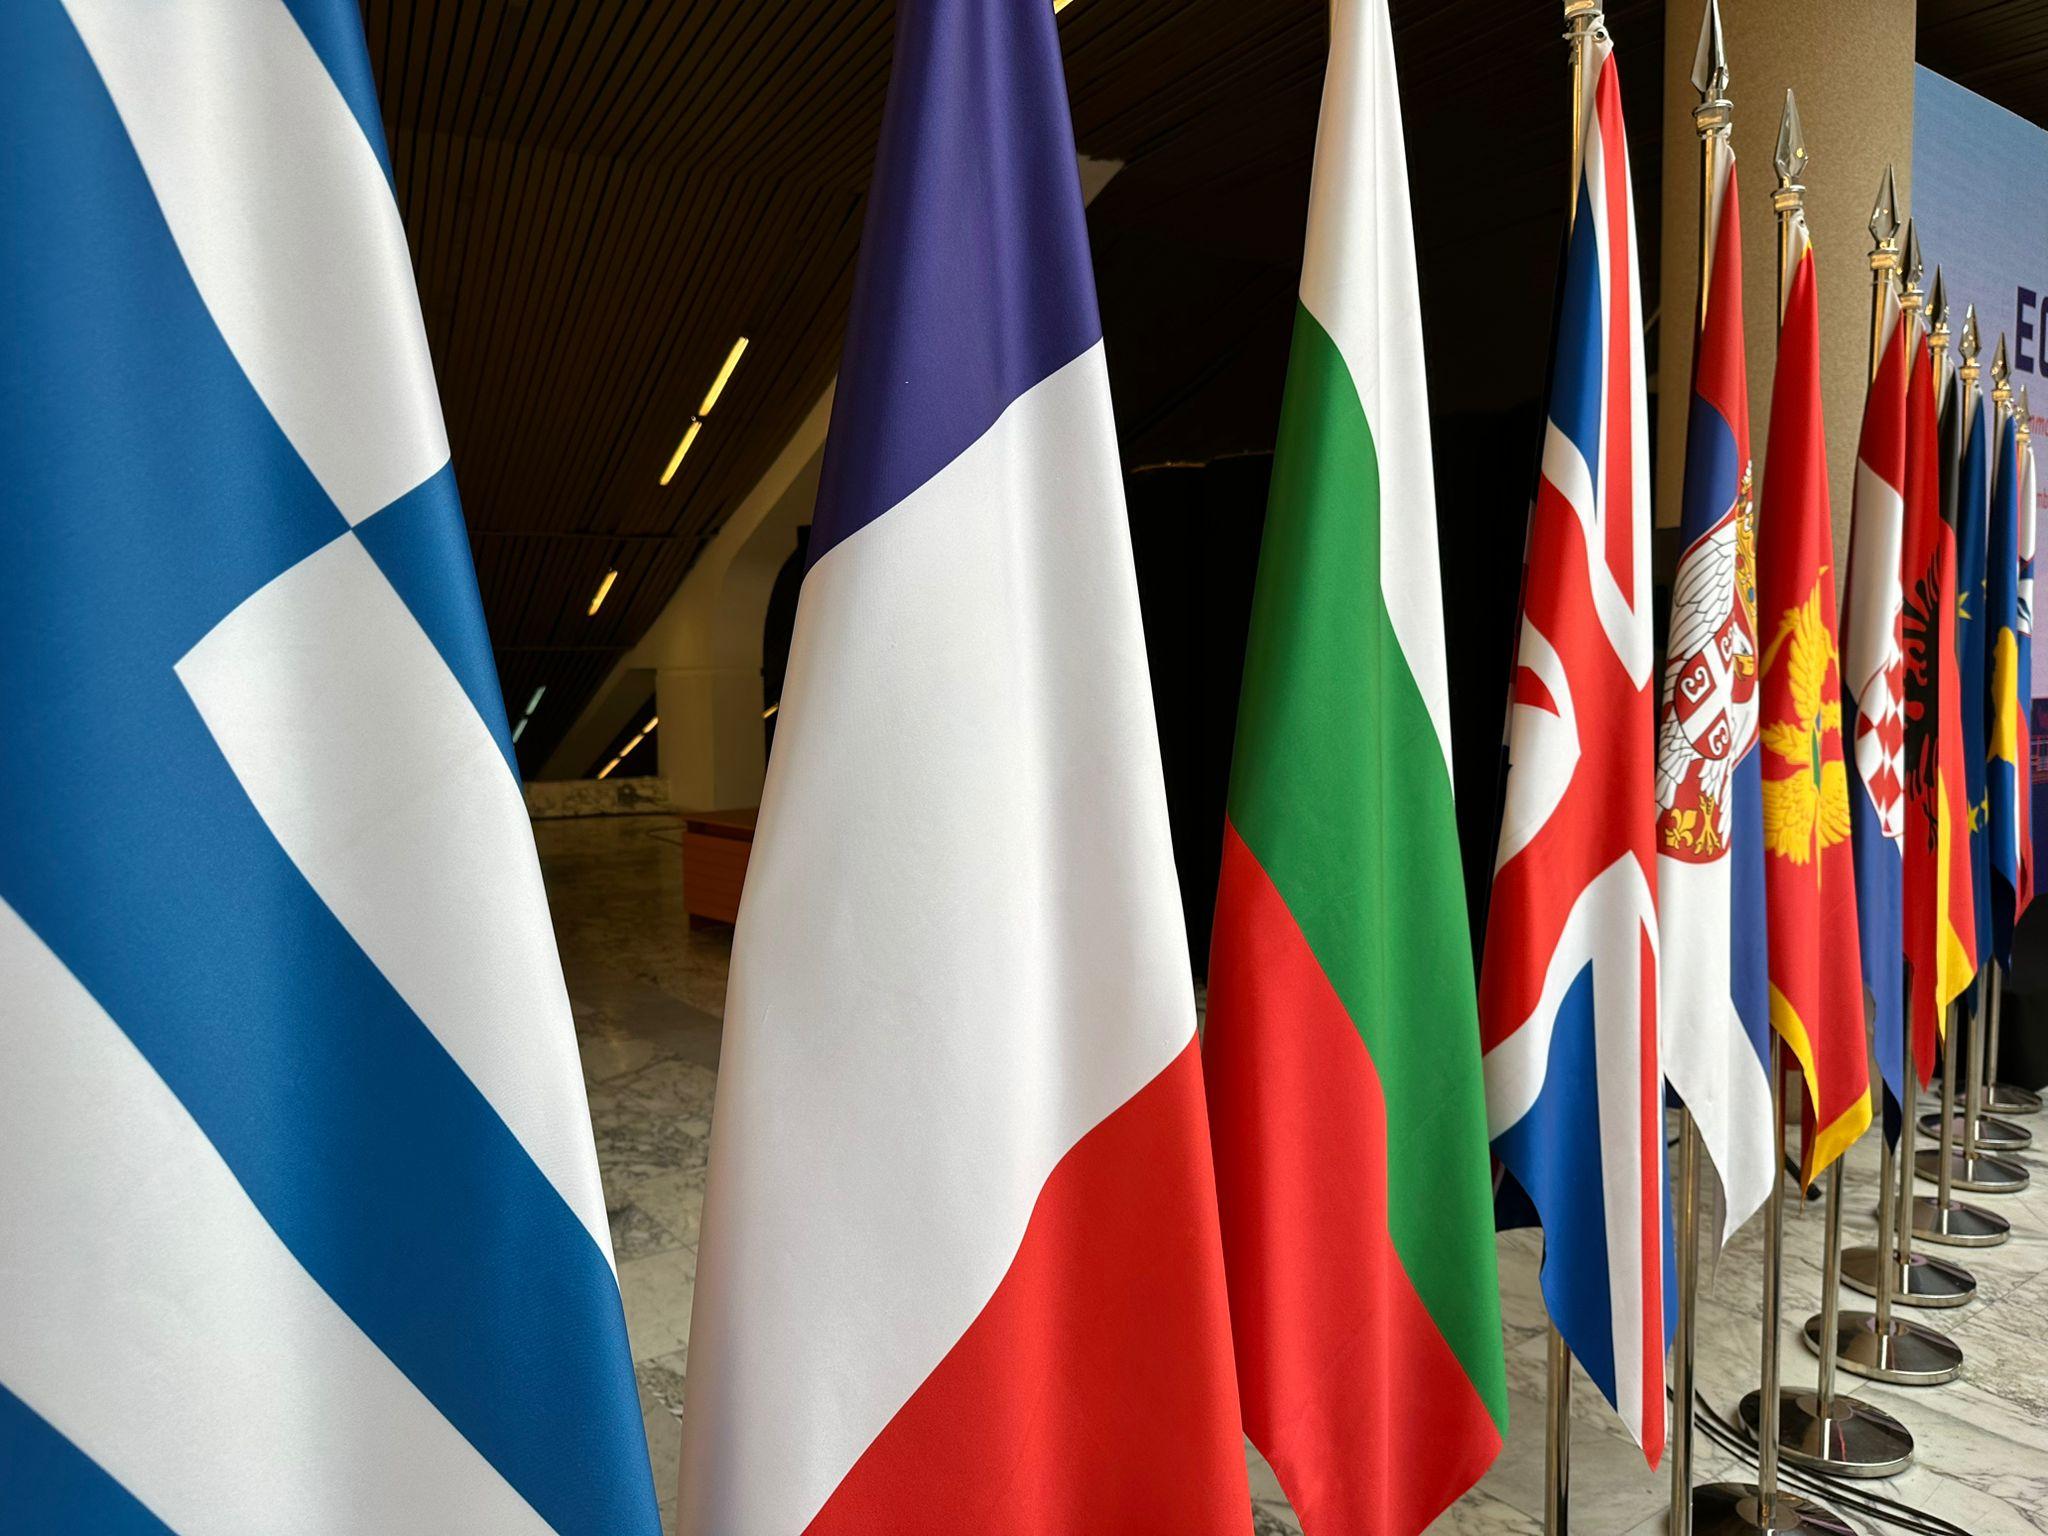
1568 984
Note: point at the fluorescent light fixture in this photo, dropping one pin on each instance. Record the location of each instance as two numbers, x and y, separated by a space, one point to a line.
689 436
648 728
629 746
603 591
732 361
518 730
1060 5
771 709
607 768
534 703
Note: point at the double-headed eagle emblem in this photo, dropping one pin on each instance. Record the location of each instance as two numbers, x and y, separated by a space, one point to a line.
1709 684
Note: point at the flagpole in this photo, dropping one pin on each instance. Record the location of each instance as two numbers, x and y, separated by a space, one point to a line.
1712 120
1584 22
1763 1412
1890 1270
1874 1344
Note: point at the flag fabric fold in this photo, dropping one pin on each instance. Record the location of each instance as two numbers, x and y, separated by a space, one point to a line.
2003 707
1568 979
1809 868
1710 906
1971 514
302 1227
1873 692
961 1267
1939 925
1342 1041
2028 511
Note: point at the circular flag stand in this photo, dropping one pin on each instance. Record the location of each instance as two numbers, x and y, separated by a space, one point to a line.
1941 1218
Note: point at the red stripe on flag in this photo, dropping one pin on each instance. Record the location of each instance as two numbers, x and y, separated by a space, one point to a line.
1095 1391
1349 1388
1652 1213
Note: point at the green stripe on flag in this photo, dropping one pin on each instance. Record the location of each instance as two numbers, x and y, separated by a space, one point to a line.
1340 788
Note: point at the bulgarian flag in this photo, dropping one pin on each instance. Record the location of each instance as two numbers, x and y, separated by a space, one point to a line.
1342 1045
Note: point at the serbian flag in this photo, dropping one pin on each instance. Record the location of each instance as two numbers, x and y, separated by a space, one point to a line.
2003 706
1710 852
1809 865
1568 983
961 1269
1873 684
1342 1044
1939 927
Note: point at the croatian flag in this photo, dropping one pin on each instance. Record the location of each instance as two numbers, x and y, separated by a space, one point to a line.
1873 671
961 1268
301 1227
1568 985
1710 852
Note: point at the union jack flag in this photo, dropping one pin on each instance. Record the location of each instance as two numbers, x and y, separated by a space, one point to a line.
1568 984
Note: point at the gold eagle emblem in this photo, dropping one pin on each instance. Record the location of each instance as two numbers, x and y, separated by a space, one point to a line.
1806 809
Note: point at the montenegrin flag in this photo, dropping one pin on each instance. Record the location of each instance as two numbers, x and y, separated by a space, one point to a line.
1809 867
1710 852
961 1268
1342 1044
1568 984
1873 691
1939 926
2003 782
300 1221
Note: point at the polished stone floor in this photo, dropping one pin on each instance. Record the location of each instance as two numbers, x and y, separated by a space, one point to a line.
648 990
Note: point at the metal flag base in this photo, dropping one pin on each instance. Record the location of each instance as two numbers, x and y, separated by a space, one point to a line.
1957 1224
1980 1175
1736 1509
2011 1099
1925 1282
1852 1439
1907 1355
1993 1135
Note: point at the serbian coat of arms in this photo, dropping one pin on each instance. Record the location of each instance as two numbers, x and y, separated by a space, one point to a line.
1710 704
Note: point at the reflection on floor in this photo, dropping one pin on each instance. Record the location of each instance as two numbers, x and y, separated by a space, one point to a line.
647 992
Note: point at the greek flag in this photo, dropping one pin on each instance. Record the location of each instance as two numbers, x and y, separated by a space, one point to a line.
300 1228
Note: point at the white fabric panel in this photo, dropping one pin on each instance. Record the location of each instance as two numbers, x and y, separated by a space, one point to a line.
154 1319
1358 280
960 948
379 779
286 222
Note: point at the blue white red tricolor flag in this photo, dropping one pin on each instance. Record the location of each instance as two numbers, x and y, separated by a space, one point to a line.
1873 690
1568 984
1710 860
301 1227
961 1267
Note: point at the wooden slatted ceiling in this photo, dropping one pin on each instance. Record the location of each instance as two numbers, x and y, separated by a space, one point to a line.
1998 48
601 195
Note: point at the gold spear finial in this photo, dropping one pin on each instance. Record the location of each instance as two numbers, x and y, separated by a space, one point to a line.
2001 376
2026 418
1884 217
1969 347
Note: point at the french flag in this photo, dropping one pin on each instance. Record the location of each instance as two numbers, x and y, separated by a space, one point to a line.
961 1267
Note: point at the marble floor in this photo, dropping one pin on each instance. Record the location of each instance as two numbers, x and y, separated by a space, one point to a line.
647 992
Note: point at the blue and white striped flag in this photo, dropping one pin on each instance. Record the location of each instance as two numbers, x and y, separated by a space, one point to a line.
300 1223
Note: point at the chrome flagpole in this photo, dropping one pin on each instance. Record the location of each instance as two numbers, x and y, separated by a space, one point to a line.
1941 1218
1734 1509
1890 1270
1711 119
1874 1344
1584 24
